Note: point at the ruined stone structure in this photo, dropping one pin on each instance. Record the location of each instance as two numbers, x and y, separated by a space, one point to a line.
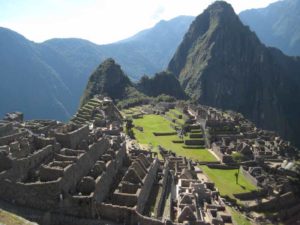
85 169
88 170
265 159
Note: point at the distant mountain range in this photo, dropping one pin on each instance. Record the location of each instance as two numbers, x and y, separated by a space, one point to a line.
277 25
46 80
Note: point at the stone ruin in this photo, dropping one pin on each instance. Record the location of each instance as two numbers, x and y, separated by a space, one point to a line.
267 161
63 170
86 169
192 199
63 173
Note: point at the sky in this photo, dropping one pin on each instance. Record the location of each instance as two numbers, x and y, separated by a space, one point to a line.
99 21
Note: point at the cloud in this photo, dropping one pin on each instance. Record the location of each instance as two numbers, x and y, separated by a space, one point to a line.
158 13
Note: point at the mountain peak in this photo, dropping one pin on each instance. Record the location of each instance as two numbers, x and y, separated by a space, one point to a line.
221 63
220 7
108 79
217 25
219 11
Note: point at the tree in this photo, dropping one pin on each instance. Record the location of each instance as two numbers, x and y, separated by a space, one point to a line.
237 176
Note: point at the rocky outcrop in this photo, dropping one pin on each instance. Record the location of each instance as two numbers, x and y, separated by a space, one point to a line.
222 63
108 79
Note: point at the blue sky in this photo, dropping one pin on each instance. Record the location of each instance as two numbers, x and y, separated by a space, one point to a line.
100 21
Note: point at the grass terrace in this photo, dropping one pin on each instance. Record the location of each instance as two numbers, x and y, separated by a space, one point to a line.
225 180
131 111
157 123
239 218
176 115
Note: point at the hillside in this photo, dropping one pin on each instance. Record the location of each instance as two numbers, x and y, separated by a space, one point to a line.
222 63
58 69
150 50
162 83
109 80
28 83
276 25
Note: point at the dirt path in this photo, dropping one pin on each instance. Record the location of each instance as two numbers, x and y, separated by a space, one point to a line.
214 154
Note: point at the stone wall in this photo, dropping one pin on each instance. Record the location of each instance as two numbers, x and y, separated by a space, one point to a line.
42 195
147 186
74 138
249 176
251 195
115 213
6 129
165 189
45 195
164 133
283 201
50 173
194 142
41 142
103 183
73 173
20 167
222 166
6 140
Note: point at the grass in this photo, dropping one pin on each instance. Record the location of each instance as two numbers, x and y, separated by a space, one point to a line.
226 182
224 179
157 123
12 219
239 218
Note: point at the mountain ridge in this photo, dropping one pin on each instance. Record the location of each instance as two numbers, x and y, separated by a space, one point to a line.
67 63
276 25
109 80
223 64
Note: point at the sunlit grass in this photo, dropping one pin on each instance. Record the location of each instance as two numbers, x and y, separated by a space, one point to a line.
157 123
225 180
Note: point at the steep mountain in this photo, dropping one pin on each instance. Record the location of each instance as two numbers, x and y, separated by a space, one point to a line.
150 50
276 25
108 80
221 63
29 84
147 52
46 80
162 83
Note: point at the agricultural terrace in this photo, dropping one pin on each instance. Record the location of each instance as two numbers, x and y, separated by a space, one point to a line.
157 123
225 180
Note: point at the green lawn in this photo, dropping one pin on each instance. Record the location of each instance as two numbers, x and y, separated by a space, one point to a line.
157 123
238 217
226 182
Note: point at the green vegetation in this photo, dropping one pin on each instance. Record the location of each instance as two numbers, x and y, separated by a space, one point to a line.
156 85
109 79
238 157
157 123
239 218
177 116
225 180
